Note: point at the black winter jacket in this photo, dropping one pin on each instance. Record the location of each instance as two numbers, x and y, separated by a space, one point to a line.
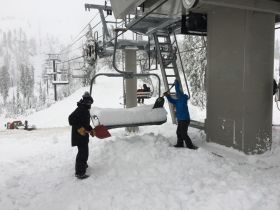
80 118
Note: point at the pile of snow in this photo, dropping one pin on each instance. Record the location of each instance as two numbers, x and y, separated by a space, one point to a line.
135 172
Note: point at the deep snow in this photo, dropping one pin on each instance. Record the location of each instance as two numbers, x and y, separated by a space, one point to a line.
130 171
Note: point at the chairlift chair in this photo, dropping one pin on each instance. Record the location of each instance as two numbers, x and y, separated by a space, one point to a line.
131 117
144 94
90 51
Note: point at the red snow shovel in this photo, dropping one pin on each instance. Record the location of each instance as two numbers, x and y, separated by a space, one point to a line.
101 132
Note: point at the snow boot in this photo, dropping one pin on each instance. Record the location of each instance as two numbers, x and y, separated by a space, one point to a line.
193 147
83 176
178 145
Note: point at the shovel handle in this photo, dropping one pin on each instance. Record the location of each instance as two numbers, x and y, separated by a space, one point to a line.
169 88
94 117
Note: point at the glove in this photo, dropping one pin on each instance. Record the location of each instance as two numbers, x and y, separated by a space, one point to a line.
166 93
82 131
92 133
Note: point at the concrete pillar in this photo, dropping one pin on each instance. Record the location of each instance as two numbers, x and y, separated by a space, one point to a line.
239 79
131 83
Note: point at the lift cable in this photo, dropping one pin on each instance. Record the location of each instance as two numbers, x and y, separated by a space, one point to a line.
86 26
72 59
80 47
69 46
116 37
100 36
96 25
77 38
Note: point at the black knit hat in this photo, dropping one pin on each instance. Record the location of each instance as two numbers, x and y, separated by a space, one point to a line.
87 99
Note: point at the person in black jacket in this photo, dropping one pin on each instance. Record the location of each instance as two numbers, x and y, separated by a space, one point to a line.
80 122
145 89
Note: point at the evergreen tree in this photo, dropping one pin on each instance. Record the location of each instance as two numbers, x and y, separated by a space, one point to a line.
194 61
4 83
32 46
14 103
18 102
26 82
7 59
9 39
4 39
42 95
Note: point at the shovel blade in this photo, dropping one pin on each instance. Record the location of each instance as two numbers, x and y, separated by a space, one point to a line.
101 132
159 103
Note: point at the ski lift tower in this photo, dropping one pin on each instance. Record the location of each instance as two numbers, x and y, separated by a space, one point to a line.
240 36
129 47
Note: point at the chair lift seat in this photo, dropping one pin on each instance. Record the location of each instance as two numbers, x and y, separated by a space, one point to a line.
143 94
130 117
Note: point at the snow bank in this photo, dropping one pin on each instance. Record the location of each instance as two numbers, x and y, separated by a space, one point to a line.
134 172
130 172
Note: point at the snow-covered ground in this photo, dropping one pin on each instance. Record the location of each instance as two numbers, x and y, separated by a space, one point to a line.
130 171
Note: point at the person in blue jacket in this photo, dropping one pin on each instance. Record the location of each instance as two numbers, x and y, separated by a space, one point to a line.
182 115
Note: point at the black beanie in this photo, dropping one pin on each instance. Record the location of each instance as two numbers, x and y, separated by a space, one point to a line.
87 99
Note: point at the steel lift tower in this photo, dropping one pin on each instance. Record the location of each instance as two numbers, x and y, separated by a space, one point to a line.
240 48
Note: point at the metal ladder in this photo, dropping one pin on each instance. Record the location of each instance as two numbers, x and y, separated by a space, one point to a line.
167 59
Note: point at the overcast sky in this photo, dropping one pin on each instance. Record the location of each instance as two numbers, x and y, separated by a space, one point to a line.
62 18
59 17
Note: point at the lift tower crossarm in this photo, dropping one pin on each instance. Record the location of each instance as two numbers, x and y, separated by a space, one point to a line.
95 6
136 21
100 8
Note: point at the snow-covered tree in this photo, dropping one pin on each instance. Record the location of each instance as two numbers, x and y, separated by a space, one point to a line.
194 61
42 95
9 39
4 83
26 82
18 106
4 39
32 46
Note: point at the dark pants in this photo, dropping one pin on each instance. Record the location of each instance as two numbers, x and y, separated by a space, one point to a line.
182 133
140 100
81 159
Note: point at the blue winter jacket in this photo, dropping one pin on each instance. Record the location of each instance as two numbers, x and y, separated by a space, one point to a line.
181 103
